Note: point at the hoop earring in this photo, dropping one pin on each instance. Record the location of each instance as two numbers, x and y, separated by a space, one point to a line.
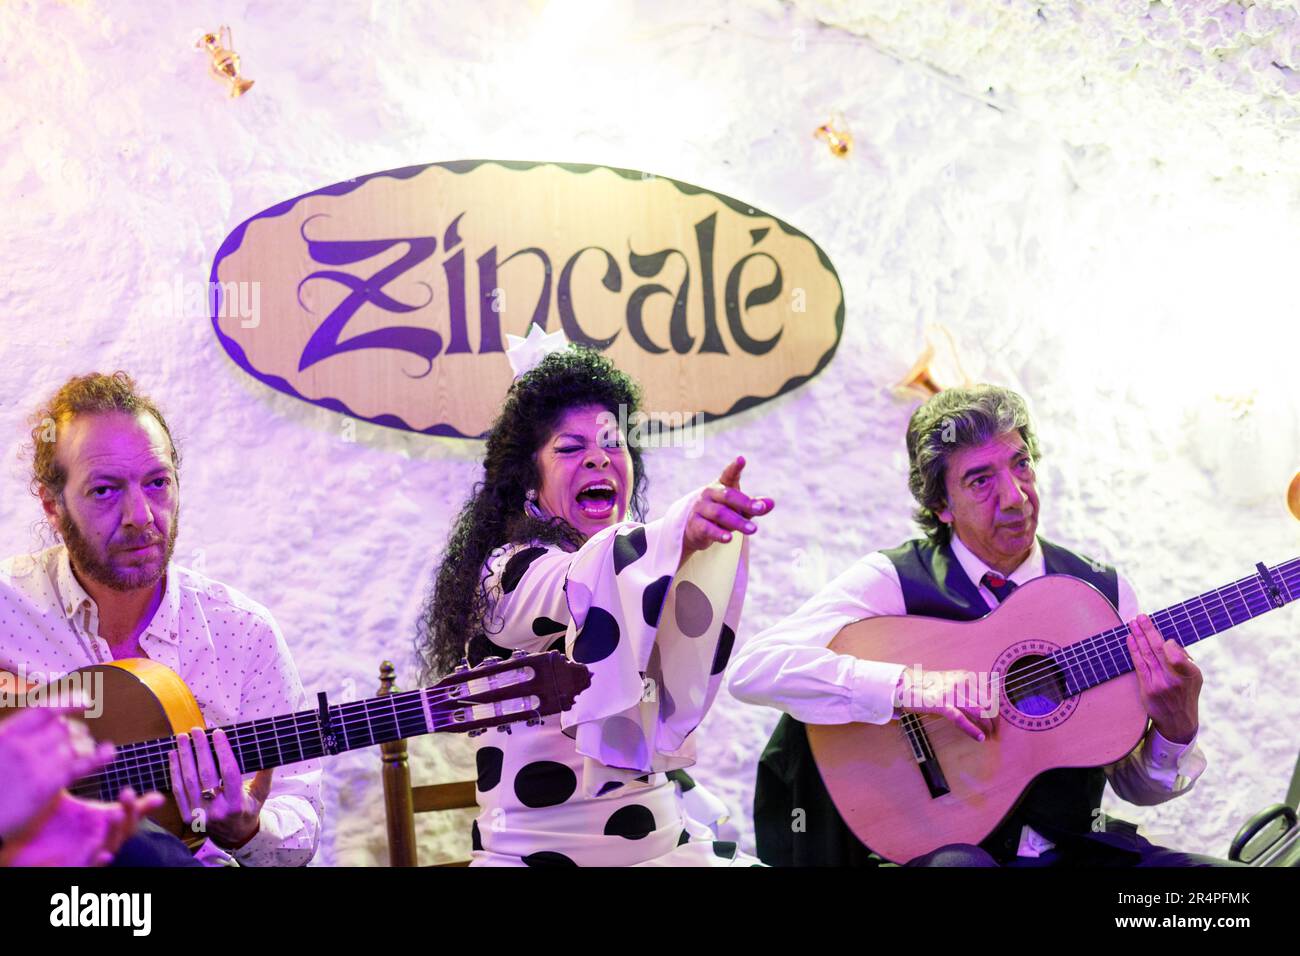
530 506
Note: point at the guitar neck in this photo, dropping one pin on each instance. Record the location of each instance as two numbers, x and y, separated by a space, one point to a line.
496 693
1104 656
276 741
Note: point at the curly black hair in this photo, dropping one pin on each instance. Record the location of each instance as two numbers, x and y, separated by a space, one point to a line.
452 618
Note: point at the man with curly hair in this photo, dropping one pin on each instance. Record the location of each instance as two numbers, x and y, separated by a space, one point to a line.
972 453
107 474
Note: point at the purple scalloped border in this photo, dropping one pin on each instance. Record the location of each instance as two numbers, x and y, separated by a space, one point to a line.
233 241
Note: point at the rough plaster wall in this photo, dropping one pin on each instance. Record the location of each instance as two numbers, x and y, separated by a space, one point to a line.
1217 80
1122 296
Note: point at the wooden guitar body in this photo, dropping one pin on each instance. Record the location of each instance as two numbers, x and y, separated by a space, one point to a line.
872 772
144 700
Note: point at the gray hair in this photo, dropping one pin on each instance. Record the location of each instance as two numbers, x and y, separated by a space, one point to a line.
954 419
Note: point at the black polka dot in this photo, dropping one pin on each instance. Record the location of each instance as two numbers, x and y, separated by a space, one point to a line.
608 787
627 548
557 645
652 600
725 849
548 858
598 638
667 706
489 767
726 641
684 838
544 625
694 611
475 838
632 822
516 566
545 783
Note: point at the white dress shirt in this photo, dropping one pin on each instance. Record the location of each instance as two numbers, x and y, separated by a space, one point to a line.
790 667
227 648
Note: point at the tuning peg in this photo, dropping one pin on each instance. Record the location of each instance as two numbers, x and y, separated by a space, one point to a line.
534 722
505 729
475 733
463 665
518 654
491 660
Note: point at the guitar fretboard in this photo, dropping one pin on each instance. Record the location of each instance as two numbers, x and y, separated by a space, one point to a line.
1099 658
275 741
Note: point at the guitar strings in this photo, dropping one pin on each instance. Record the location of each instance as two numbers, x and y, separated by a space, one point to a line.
1255 601
148 766
142 757
150 757
930 719
148 772
1031 677
352 714
1115 638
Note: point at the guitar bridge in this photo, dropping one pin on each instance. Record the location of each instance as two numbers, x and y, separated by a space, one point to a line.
926 760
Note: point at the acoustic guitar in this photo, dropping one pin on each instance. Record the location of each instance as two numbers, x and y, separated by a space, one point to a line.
145 705
1068 697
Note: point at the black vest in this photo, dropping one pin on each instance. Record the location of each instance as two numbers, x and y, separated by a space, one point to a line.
1061 804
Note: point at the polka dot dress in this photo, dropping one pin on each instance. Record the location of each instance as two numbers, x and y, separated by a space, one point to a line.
587 788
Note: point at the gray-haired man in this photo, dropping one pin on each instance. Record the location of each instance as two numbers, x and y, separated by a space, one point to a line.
972 453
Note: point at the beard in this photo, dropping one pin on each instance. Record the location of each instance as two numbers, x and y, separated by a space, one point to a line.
102 569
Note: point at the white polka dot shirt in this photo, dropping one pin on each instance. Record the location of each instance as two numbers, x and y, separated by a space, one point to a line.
227 648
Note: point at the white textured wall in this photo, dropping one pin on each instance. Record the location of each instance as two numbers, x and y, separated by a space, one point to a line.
1146 308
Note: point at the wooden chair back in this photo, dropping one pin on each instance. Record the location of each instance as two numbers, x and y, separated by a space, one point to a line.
402 801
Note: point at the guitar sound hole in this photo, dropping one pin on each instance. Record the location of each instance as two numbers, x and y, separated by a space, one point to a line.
1034 685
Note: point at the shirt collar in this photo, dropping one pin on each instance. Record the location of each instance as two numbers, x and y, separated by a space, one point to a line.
1032 567
73 597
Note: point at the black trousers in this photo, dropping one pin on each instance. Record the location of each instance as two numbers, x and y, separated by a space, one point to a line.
1141 852
153 846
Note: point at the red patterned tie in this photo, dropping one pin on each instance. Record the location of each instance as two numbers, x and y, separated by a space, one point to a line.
999 585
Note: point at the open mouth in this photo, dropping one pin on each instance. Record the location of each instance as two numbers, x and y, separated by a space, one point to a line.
597 499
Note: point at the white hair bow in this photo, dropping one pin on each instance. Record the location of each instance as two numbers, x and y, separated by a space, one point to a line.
525 353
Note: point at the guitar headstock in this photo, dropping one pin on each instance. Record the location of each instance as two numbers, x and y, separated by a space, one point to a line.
499 691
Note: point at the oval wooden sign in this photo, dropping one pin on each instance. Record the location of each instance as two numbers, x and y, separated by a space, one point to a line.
388 297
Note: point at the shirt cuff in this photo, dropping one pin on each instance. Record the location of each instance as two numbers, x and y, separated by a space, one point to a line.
261 849
1164 754
1174 766
873 691
209 854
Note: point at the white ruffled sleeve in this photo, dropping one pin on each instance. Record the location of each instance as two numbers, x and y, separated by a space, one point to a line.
656 638
527 610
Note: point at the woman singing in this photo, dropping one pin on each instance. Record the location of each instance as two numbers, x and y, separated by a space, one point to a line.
550 552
